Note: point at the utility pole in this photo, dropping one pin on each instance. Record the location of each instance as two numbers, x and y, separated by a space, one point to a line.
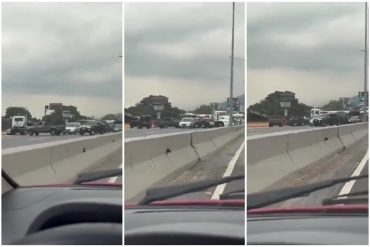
366 49
232 71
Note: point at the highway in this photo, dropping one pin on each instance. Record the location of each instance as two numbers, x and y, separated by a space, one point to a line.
129 133
9 141
252 131
350 162
228 161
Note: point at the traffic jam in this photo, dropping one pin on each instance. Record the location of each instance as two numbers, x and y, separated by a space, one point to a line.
188 121
319 117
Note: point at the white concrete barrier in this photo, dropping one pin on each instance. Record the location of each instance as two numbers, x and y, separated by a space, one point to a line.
265 156
59 161
153 159
272 157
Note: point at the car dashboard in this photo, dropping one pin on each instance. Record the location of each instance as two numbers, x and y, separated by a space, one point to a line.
158 225
333 229
63 211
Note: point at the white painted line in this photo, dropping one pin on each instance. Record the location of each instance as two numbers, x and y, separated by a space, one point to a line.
348 186
221 187
112 180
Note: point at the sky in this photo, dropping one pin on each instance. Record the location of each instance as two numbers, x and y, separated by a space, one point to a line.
312 49
62 53
182 51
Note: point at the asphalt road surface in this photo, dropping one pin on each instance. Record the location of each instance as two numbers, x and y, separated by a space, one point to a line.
227 161
9 141
350 162
268 130
129 133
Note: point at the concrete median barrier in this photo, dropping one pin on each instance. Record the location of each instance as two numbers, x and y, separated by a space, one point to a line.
272 157
150 160
60 161
264 159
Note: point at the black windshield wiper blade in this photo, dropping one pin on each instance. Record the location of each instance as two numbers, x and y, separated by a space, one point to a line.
235 194
162 193
349 198
262 199
92 176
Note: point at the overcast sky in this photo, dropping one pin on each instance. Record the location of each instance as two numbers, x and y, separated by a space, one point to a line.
312 49
182 51
62 53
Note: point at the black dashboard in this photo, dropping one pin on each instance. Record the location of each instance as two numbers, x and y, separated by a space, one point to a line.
184 225
334 229
62 215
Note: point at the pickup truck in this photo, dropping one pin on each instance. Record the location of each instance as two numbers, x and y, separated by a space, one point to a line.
43 127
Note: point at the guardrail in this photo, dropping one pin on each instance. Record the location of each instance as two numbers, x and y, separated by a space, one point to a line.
271 157
149 160
59 161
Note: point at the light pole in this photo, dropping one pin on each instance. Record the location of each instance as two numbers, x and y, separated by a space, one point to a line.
232 70
366 49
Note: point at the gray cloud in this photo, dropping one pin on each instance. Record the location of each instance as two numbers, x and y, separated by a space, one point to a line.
188 44
305 41
63 50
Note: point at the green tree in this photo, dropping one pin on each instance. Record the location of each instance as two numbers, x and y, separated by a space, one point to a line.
17 111
110 117
335 105
271 106
54 118
203 109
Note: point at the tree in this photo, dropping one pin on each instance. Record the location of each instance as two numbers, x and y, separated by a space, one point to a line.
145 107
335 105
271 106
110 117
17 111
203 109
54 118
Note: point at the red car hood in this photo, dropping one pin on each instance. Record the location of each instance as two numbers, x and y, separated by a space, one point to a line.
193 203
358 208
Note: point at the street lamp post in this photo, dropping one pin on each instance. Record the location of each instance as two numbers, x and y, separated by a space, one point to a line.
232 69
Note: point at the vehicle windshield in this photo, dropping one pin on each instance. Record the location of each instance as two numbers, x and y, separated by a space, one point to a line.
62 80
188 139
187 119
315 139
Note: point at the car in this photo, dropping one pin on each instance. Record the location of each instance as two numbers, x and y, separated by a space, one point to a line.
117 127
92 127
204 123
275 120
354 119
167 122
72 128
186 122
134 122
145 121
44 127
297 121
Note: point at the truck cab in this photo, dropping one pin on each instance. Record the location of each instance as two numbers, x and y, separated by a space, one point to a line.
18 125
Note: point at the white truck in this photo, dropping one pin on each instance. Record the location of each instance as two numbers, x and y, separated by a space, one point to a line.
19 125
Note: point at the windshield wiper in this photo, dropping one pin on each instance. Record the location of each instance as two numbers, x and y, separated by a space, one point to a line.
92 176
262 199
162 193
350 198
235 194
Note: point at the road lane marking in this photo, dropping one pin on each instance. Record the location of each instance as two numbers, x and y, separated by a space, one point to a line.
114 179
221 187
348 186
